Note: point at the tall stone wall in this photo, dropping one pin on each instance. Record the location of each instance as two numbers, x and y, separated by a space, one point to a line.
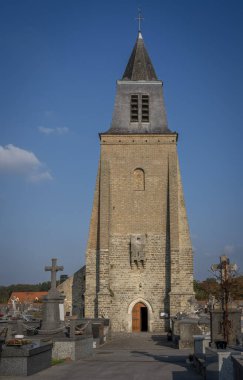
73 288
138 196
66 289
78 290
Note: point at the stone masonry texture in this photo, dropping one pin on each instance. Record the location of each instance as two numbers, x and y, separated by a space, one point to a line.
73 289
164 281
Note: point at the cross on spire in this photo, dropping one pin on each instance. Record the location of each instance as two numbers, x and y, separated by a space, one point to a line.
54 269
139 18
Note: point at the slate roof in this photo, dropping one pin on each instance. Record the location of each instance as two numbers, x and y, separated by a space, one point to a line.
139 66
139 78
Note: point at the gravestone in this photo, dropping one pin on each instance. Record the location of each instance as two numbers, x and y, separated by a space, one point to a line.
188 327
219 363
237 367
53 326
78 344
200 343
183 331
53 315
217 328
25 360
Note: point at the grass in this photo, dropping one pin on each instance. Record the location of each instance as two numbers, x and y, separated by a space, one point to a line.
57 361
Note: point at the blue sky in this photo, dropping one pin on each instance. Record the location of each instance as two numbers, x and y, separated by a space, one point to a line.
60 60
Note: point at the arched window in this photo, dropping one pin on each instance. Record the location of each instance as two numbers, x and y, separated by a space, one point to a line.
138 179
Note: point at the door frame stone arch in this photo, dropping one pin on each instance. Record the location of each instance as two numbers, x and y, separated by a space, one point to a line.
150 313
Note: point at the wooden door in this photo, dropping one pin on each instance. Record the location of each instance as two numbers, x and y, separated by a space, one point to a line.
136 317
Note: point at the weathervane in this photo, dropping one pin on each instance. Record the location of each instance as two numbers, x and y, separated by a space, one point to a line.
139 18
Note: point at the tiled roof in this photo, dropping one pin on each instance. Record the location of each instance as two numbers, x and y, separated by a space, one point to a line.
26 296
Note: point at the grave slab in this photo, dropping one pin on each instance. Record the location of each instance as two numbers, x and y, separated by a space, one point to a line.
25 360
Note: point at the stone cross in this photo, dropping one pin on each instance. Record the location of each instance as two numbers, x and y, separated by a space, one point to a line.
53 269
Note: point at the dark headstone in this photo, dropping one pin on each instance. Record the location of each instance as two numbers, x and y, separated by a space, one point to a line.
98 330
238 367
25 360
217 331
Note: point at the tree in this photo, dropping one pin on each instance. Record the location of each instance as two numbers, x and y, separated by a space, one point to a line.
5 291
205 289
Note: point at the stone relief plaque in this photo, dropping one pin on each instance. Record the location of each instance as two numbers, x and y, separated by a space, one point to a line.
137 254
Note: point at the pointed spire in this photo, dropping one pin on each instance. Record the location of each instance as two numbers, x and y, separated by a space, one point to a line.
139 66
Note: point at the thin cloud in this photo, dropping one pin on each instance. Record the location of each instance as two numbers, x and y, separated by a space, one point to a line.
23 162
49 113
16 159
53 131
44 176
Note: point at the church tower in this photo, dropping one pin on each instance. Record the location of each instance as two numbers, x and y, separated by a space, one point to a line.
139 264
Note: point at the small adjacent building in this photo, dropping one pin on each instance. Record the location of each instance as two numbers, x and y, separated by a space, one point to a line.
26 297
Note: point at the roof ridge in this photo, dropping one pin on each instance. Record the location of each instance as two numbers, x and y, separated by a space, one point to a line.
135 52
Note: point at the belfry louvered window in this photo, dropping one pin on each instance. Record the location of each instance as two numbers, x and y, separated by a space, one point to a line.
139 108
134 108
145 108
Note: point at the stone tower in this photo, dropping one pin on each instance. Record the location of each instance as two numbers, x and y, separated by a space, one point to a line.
139 264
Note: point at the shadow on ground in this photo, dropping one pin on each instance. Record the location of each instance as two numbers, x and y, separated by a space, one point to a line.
180 360
180 375
176 359
161 340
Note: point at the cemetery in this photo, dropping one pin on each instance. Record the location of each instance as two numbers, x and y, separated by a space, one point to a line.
214 338
133 303
28 347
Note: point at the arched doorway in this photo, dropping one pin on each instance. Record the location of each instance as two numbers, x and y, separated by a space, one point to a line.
139 317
